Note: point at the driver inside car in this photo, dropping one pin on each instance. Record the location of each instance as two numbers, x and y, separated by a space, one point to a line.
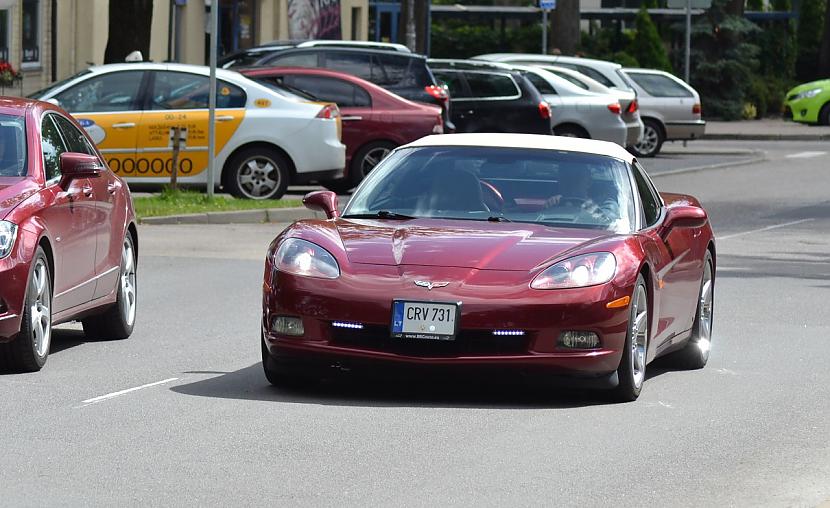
577 188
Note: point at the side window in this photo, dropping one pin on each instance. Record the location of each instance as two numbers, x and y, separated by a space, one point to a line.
390 70
540 83
117 91
306 59
651 205
454 82
332 90
75 140
356 64
180 90
660 86
596 75
52 146
491 85
571 79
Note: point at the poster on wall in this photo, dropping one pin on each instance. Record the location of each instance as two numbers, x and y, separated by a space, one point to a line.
314 19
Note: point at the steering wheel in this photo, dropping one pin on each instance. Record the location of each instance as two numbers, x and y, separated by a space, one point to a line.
492 197
573 199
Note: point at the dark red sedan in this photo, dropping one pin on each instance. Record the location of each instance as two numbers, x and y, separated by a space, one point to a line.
375 121
68 241
555 256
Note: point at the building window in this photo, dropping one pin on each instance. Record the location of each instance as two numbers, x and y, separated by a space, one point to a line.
4 34
31 32
356 23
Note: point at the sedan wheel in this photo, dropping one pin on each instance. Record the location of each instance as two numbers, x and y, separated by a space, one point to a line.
118 321
257 173
632 369
29 350
365 160
652 140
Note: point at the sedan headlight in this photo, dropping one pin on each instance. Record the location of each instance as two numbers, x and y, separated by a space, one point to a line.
807 94
305 258
8 234
577 272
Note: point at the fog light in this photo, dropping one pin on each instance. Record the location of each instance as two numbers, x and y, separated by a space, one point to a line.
285 325
574 339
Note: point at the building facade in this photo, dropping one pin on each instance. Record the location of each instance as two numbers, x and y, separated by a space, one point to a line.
49 40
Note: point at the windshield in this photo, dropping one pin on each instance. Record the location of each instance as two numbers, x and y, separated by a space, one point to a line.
12 146
43 92
555 188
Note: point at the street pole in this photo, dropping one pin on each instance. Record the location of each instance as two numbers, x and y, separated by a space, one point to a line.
688 38
544 31
214 29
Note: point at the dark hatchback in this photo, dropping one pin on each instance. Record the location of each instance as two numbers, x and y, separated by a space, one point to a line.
493 100
402 73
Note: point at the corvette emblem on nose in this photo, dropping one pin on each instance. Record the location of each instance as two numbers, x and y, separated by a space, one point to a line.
429 284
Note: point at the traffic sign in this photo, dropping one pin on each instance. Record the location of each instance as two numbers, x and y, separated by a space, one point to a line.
548 5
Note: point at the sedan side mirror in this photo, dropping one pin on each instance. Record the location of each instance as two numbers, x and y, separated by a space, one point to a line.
322 201
79 165
683 216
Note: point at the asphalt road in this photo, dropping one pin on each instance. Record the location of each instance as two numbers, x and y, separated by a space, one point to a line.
751 429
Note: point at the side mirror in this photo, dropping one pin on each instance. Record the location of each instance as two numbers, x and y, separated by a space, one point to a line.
322 201
79 165
683 216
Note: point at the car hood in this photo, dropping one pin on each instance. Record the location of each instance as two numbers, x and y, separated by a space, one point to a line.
13 191
458 243
823 83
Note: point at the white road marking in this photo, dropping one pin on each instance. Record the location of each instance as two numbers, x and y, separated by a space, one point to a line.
767 228
124 392
805 155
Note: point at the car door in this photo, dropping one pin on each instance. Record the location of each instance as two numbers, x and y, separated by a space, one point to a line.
70 217
108 107
359 124
462 110
496 102
673 264
180 99
108 222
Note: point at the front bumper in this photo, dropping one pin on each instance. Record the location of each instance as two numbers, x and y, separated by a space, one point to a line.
14 277
804 110
694 129
487 304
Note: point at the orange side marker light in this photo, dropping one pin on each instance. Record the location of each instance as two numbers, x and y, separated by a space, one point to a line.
619 303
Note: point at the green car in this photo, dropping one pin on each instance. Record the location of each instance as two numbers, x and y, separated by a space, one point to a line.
810 102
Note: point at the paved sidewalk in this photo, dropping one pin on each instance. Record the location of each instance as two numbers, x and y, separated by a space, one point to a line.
767 129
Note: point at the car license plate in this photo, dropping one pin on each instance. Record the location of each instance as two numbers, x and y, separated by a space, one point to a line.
424 320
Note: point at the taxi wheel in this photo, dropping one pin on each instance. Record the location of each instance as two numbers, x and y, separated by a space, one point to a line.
257 173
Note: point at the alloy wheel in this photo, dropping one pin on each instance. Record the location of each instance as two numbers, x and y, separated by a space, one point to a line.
128 292
40 310
372 158
258 177
649 142
639 336
705 311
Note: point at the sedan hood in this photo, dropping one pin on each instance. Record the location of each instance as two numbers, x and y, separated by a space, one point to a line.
13 191
458 243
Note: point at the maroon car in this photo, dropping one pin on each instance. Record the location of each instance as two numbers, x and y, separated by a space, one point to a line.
375 121
68 240
555 256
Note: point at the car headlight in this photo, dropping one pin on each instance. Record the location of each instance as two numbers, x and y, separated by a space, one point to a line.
300 257
8 234
577 272
807 94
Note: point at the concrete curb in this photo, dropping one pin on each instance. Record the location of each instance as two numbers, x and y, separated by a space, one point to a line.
235 217
766 137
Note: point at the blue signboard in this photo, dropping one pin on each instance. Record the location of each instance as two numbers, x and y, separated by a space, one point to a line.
547 4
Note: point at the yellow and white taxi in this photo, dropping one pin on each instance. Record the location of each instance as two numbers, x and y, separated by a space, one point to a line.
266 138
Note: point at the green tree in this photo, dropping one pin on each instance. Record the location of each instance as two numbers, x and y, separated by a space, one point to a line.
808 36
647 47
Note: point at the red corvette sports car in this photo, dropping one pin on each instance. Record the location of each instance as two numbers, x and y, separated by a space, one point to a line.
555 256
68 240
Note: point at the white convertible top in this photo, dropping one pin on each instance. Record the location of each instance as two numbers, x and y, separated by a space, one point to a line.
530 141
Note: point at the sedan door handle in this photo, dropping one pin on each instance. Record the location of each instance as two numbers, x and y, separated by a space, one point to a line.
224 118
87 189
123 125
348 118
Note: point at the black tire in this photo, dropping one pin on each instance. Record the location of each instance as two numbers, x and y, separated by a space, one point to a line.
631 378
824 115
24 353
117 321
257 172
365 159
340 186
696 352
653 139
571 131
279 374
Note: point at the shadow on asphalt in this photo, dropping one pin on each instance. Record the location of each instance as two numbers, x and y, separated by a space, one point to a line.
62 340
348 389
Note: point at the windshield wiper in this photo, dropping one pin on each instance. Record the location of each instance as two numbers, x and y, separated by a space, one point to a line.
498 218
380 214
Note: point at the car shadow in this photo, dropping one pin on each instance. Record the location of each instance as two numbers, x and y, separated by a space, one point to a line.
401 390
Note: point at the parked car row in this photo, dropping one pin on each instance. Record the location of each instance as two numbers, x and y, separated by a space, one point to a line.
285 117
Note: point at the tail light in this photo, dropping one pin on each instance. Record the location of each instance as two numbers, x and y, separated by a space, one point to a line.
439 126
329 112
437 92
544 110
696 109
632 107
615 108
